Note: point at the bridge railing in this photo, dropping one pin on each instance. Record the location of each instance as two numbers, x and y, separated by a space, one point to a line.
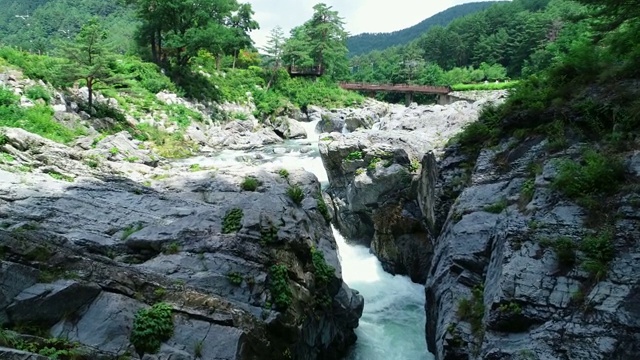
397 88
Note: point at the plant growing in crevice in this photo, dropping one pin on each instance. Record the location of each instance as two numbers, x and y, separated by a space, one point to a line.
355 155
322 208
497 207
130 229
296 194
232 221
565 250
235 278
599 251
279 286
268 235
472 310
151 327
284 173
250 183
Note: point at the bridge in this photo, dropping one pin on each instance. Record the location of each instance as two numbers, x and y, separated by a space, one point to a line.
409 90
311 71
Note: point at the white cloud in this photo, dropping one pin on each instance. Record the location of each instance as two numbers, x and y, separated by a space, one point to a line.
359 15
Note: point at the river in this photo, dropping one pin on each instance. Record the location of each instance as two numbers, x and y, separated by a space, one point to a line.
393 320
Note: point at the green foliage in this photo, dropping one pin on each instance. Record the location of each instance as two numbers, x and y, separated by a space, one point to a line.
565 250
232 221
235 278
172 248
497 207
527 191
279 286
38 120
511 308
250 183
268 235
151 327
355 155
472 310
489 86
323 272
37 92
599 251
36 67
296 194
322 208
130 229
596 174
284 173
61 177
6 158
367 42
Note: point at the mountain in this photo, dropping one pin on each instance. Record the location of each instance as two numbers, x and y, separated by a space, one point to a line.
36 25
366 42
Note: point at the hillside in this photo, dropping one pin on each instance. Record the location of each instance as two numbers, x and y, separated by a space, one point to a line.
39 24
364 43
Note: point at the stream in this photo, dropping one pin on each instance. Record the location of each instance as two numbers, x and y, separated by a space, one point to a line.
393 321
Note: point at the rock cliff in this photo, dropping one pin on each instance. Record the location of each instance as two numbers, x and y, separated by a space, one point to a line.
241 257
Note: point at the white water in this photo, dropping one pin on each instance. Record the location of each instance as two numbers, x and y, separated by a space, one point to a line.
393 320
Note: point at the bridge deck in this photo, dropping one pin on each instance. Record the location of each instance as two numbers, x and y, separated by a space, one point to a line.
404 88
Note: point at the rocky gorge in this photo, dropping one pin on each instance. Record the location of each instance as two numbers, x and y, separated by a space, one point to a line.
99 235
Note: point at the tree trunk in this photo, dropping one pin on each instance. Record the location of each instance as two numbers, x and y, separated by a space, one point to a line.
90 89
154 49
235 57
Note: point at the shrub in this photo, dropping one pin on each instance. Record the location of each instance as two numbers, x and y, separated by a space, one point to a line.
472 310
232 221
151 327
279 286
599 252
284 173
597 174
250 183
38 92
235 278
322 207
38 120
7 97
296 194
324 273
356 155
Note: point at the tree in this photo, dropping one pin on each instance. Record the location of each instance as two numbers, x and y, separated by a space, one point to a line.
89 57
273 53
328 40
175 30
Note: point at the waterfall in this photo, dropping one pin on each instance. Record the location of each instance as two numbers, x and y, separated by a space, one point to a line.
393 320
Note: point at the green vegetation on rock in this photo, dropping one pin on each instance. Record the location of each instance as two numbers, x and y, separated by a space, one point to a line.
279 286
232 221
151 327
296 194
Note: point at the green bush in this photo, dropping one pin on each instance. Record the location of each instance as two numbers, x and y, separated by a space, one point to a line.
232 221
497 207
250 183
279 286
38 92
151 327
38 120
323 272
7 97
296 194
284 173
599 251
355 155
596 174
322 208
37 67
472 310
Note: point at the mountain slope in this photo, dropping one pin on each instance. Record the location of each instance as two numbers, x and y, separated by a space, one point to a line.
35 25
364 43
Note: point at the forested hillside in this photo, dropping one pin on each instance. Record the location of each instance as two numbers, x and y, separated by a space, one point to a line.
37 25
366 42
507 40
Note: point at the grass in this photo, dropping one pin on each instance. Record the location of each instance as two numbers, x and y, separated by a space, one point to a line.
284 173
355 155
279 286
39 120
6 158
565 250
61 177
296 194
250 183
599 251
472 310
130 229
497 207
596 174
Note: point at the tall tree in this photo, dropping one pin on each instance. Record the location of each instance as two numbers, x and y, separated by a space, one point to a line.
328 40
89 57
242 23
273 53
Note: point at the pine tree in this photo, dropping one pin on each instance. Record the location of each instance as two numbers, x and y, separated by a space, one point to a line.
88 57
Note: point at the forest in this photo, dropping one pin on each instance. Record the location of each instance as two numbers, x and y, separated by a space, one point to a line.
367 42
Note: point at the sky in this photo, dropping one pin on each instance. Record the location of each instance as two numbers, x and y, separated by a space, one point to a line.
359 15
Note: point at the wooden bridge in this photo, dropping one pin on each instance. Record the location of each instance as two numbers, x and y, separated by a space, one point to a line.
409 90
313 71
